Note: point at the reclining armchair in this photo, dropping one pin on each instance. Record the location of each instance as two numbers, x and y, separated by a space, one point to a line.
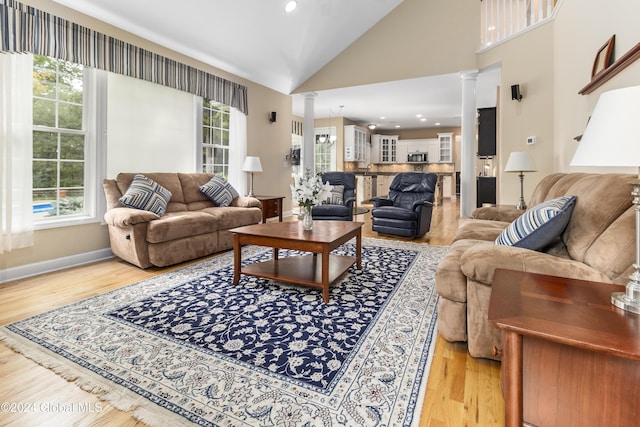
407 210
339 207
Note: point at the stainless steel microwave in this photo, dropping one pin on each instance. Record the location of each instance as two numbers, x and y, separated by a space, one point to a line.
418 157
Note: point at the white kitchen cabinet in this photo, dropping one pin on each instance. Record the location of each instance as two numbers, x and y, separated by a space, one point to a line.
356 144
447 186
385 147
382 185
446 147
364 190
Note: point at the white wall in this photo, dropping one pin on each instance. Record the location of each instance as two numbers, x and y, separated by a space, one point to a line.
581 28
151 128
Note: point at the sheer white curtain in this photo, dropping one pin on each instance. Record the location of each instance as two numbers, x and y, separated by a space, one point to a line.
237 150
16 151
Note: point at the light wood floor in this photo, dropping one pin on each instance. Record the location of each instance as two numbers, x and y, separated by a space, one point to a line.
462 391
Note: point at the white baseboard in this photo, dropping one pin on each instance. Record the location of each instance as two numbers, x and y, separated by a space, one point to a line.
48 266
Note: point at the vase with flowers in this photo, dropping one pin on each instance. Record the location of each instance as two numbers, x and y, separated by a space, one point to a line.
308 190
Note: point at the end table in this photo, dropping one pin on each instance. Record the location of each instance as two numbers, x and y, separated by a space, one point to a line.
570 357
271 207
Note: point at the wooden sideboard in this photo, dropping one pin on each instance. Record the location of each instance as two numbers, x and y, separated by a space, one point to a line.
570 358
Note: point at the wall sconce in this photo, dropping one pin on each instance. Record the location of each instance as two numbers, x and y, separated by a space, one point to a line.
272 117
515 93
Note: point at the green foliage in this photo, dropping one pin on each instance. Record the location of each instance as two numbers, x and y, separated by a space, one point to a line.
58 152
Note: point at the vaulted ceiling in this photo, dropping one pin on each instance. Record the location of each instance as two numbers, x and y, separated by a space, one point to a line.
259 41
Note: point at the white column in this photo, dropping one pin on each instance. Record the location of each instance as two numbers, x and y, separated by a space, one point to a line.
307 155
468 151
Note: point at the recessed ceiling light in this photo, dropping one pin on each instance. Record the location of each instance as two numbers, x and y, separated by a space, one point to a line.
397 126
382 117
290 6
423 119
418 115
437 123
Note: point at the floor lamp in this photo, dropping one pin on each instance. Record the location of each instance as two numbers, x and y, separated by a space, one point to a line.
612 138
521 162
252 164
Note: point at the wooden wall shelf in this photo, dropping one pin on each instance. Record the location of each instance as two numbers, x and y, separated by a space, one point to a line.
623 62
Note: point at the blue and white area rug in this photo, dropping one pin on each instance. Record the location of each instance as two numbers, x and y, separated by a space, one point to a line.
189 347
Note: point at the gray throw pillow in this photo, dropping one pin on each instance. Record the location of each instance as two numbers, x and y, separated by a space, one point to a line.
219 191
146 194
337 196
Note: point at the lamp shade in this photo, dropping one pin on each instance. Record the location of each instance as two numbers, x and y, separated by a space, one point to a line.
252 164
612 136
520 161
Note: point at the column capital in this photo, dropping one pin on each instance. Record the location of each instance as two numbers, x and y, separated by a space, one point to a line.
309 95
469 75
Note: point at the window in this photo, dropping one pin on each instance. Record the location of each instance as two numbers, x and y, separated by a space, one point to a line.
325 149
215 138
59 139
323 154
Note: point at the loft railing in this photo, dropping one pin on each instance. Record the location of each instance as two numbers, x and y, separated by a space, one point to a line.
500 19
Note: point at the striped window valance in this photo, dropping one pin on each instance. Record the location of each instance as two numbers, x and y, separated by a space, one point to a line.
27 29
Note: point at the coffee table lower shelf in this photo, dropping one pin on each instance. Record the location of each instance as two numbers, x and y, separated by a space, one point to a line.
301 270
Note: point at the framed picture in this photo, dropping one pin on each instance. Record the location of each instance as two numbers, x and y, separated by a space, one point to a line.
604 57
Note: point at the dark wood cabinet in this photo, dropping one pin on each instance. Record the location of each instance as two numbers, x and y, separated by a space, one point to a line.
486 132
271 207
485 190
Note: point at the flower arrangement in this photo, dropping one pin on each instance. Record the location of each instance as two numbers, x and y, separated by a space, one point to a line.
308 190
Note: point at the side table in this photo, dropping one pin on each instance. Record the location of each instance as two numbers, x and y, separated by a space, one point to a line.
570 358
271 207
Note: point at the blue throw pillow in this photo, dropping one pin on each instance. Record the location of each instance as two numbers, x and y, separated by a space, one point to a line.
219 191
146 194
540 225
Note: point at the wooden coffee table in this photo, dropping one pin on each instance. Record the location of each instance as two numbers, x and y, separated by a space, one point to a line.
318 270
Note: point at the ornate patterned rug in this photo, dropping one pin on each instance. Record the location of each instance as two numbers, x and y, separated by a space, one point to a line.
188 347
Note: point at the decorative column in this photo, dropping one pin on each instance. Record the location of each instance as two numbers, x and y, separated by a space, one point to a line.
467 151
307 155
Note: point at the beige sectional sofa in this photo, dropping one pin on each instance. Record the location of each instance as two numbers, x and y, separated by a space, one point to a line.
598 244
192 227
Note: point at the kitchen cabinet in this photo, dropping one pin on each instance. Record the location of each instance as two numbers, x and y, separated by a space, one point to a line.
382 185
414 150
356 144
385 148
486 132
447 186
445 141
364 188
485 190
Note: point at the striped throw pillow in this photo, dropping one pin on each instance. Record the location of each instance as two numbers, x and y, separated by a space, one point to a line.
540 225
219 191
146 194
337 196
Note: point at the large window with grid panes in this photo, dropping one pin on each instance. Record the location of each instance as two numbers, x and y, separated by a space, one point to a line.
60 140
215 138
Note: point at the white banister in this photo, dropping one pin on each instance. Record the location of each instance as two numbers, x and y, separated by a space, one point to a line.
500 19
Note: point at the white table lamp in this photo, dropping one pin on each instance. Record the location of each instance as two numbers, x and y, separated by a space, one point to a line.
521 162
252 164
612 138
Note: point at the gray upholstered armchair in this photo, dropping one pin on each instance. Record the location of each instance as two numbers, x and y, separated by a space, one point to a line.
340 205
407 210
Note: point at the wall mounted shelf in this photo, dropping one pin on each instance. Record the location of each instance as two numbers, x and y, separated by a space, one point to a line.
602 77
